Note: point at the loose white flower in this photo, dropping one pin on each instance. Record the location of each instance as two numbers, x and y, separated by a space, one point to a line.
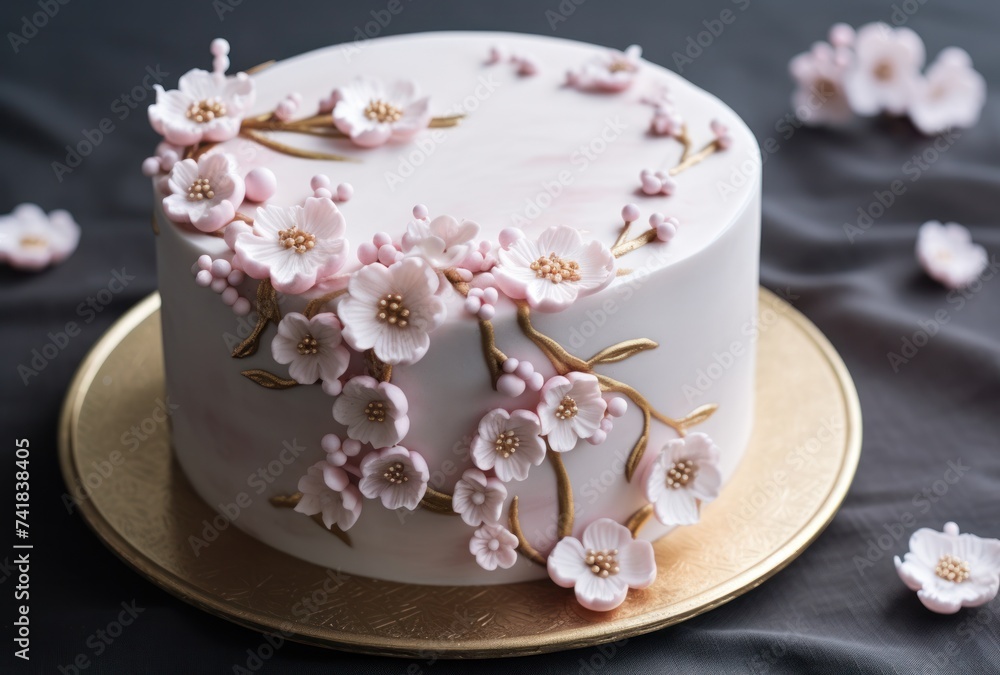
327 490
886 69
312 348
395 475
32 240
478 499
442 242
603 566
494 546
508 443
374 412
370 113
294 246
951 94
685 474
392 309
949 570
571 408
820 97
204 107
551 272
205 193
948 254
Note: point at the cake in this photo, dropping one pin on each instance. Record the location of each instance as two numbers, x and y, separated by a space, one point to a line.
488 305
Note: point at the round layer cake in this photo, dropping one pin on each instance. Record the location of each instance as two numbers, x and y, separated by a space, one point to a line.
459 354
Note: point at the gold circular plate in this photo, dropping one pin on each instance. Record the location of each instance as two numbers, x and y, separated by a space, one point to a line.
804 451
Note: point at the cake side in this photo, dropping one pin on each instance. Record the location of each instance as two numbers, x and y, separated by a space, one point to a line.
668 306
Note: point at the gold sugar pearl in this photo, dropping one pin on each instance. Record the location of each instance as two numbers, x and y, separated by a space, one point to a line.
308 345
200 189
296 239
952 568
680 474
396 474
381 111
566 409
507 444
206 110
555 269
392 311
375 411
603 563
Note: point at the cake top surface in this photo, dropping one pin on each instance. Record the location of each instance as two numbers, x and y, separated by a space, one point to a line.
532 151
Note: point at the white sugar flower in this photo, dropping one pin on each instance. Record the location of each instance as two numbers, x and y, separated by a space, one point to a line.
551 272
294 246
442 242
395 475
205 193
478 499
371 113
32 240
494 546
571 408
820 97
612 71
951 94
204 107
374 412
312 348
327 490
508 443
392 309
949 570
948 254
603 566
886 69
684 475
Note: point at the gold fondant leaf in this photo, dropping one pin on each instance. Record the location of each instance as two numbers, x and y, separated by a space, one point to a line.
271 144
268 380
335 530
639 448
698 415
622 351
267 311
638 519
438 502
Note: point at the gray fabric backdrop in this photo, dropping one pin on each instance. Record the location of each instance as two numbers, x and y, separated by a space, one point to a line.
825 612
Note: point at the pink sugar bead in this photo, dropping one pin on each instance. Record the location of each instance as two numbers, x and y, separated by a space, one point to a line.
607 425
472 304
205 262
476 293
367 253
487 312
510 365
387 254
527 66
337 458
510 385
491 295
382 239
261 184
219 47
496 54
221 268
655 219
668 186
666 231
509 235
218 285
230 296
350 447
599 437
318 181
344 192
235 278
464 275
651 185
617 406
630 213
323 193
420 212
330 443
241 307
203 278
524 370
150 166
536 382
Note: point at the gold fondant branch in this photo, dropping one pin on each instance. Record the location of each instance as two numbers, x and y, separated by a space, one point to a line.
292 500
687 161
564 524
494 357
621 351
271 144
268 380
638 519
267 311
316 304
377 368
523 547
685 140
635 244
438 502
561 359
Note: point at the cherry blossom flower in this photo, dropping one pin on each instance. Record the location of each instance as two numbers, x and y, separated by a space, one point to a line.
952 94
204 107
949 570
551 272
371 113
392 309
666 121
327 490
571 408
395 475
494 546
886 69
205 193
478 499
312 348
374 412
820 97
603 566
948 254
508 443
685 474
294 246
442 242
32 240
612 71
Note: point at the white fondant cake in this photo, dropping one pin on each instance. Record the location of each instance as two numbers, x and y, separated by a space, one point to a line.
406 368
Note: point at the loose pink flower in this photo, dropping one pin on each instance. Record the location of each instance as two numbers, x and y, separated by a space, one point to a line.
820 97
886 69
32 240
952 94
948 254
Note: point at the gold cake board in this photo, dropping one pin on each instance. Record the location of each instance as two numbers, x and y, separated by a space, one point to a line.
803 454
